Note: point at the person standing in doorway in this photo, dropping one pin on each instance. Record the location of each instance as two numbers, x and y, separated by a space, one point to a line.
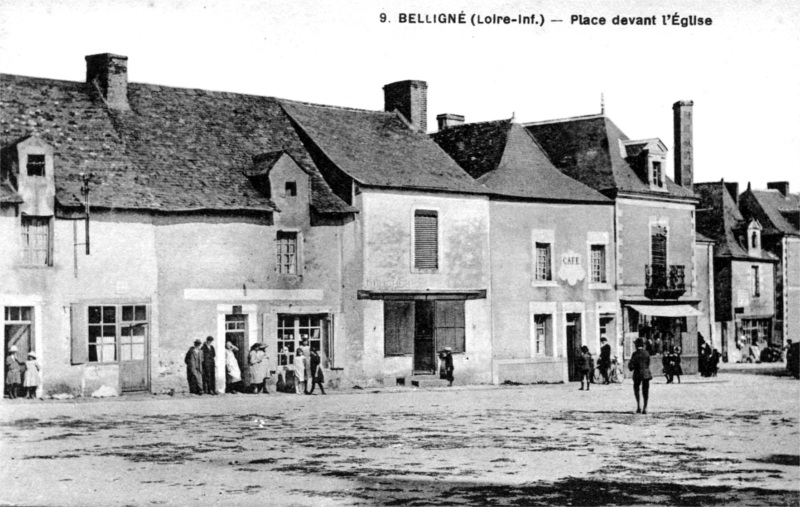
194 368
585 363
317 377
640 366
13 378
31 382
604 362
209 366
233 373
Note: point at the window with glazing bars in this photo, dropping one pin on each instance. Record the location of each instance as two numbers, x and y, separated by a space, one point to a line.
35 165
598 263
543 256
287 252
36 241
426 239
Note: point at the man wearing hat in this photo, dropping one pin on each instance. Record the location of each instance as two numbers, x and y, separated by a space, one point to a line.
209 366
194 368
605 358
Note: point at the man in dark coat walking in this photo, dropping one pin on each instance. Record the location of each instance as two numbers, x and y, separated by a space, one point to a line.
209 366
194 368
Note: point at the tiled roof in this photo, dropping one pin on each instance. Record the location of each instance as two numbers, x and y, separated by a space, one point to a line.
773 203
379 149
720 220
507 160
587 149
175 150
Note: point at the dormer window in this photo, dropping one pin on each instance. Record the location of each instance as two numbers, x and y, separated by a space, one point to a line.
754 240
290 189
658 180
35 165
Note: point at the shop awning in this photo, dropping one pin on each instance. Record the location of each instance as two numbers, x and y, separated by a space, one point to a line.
667 310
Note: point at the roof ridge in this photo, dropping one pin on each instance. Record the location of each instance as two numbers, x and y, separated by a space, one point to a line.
329 106
569 118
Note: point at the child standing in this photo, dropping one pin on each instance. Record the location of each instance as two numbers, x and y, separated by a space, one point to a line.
31 381
13 379
585 366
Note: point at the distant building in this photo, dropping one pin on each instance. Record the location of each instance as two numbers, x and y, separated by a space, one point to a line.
777 210
743 273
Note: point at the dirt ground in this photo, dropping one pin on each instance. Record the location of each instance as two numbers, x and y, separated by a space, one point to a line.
733 439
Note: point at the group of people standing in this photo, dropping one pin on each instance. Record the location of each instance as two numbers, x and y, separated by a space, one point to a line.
671 362
21 373
201 369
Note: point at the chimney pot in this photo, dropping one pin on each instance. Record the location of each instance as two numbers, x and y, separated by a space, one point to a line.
780 186
410 98
449 120
682 113
109 73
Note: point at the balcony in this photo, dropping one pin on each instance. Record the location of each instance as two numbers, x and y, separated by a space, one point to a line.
664 282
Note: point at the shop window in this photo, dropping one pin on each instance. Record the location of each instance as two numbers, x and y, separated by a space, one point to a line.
35 165
426 239
292 329
37 241
755 331
287 253
402 320
117 332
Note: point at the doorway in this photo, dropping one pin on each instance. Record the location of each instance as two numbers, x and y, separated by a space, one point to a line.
424 348
18 332
573 345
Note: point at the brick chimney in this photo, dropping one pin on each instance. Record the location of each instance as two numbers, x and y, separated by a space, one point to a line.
449 120
684 148
780 186
733 189
410 98
110 74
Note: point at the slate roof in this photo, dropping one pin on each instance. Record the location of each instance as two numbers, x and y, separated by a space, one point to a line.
772 203
175 150
719 219
503 157
587 149
379 149
8 195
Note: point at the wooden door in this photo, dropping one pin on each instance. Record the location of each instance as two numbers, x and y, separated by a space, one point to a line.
573 345
424 350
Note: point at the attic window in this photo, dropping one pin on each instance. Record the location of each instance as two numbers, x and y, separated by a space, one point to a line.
754 240
35 165
657 180
291 189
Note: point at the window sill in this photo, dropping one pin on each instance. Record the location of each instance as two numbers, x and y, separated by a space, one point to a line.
417 271
544 283
33 266
600 286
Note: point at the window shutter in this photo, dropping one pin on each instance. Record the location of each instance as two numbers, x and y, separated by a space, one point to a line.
450 325
398 327
79 340
426 239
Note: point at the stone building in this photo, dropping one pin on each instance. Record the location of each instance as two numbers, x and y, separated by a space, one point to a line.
743 272
553 262
654 231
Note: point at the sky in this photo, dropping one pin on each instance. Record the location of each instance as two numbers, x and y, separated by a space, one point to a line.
738 71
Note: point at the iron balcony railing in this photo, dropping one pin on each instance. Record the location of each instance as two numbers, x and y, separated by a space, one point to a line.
664 282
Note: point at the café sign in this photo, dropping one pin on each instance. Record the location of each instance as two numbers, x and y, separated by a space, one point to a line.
571 269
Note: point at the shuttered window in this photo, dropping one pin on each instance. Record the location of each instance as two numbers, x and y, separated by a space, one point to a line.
426 239
658 248
37 241
398 327
450 325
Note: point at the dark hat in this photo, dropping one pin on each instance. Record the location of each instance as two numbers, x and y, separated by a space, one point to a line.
209 338
603 339
198 341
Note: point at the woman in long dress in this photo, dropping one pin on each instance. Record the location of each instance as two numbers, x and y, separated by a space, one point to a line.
300 371
255 362
13 377
233 374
